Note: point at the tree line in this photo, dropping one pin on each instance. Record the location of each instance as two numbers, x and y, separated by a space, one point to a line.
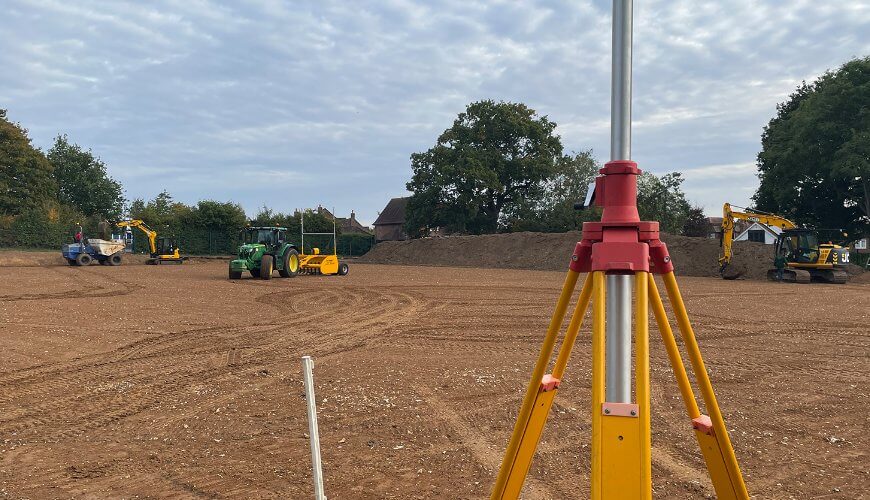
45 197
502 168
814 164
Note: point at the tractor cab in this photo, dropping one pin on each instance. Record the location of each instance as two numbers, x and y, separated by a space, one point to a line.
267 236
263 250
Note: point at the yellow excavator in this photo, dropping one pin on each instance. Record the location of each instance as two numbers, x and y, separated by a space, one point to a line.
163 250
807 258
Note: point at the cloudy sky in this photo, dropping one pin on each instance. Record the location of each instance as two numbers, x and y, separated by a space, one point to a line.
292 104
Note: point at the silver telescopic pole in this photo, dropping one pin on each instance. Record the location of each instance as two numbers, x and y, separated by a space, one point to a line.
620 87
617 380
313 433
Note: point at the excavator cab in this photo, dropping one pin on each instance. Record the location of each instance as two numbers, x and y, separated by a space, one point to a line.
801 245
809 259
166 246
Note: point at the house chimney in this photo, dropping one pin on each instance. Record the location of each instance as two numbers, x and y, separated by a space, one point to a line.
352 216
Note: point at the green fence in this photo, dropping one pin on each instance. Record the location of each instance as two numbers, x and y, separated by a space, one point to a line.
34 231
202 241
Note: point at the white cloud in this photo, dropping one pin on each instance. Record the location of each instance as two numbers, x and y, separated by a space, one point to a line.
325 101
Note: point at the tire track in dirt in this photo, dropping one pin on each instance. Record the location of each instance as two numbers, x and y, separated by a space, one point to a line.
484 452
148 364
120 288
150 383
139 350
147 375
134 362
153 346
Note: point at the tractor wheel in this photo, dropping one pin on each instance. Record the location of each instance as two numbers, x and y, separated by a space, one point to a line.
291 264
235 275
266 267
343 269
114 260
83 259
255 273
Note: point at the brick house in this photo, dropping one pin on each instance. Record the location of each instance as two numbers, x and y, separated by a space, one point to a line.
347 225
390 225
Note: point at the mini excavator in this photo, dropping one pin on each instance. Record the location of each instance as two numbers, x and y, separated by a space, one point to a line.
163 250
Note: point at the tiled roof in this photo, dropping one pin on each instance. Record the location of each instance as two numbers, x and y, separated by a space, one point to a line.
393 213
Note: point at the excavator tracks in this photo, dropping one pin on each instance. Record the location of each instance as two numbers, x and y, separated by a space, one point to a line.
834 276
791 276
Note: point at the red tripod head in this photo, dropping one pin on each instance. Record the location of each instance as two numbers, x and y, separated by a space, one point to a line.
620 243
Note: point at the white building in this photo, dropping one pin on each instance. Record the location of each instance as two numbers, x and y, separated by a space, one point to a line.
760 233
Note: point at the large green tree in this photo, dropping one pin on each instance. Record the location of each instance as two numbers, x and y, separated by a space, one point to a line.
494 157
662 199
162 213
217 214
26 180
83 181
553 210
696 223
814 165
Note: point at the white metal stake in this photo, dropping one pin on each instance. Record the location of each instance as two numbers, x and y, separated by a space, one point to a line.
316 469
617 380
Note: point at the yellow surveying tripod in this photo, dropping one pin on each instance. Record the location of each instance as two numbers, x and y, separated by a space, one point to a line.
619 250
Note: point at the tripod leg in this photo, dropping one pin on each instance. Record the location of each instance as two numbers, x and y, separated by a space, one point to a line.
715 427
598 297
673 352
642 395
535 382
707 441
547 390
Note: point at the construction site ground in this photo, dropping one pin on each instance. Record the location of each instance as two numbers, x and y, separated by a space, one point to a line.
146 382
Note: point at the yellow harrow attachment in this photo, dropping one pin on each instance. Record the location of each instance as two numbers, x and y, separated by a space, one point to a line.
317 263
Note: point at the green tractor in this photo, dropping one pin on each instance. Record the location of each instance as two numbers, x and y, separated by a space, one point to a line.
265 250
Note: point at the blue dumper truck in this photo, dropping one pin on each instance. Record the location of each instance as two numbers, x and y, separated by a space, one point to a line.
86 251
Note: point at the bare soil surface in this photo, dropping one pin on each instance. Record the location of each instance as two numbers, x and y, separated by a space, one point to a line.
156 382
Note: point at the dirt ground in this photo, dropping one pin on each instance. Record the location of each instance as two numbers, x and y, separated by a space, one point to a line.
147 382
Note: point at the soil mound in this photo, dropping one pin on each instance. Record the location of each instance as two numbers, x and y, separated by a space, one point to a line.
551 251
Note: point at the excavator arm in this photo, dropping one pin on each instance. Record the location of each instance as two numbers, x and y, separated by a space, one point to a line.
728 218
152 234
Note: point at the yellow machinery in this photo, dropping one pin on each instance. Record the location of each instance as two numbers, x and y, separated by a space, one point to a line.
807 258
316 262
163 250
